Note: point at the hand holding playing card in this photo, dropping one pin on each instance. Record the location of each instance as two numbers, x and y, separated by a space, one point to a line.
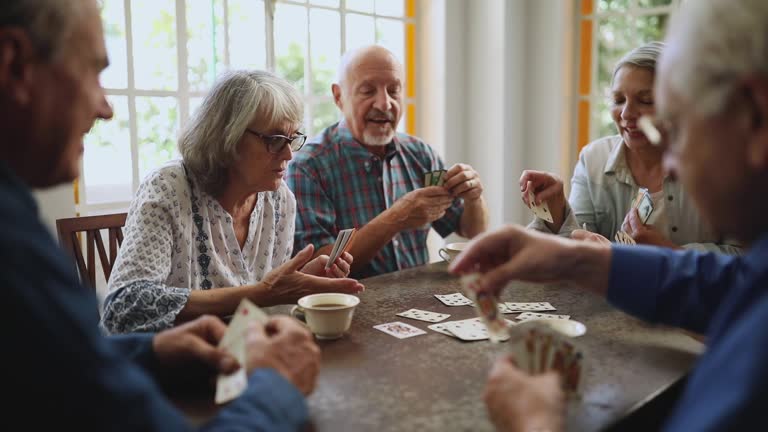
339 269
463 182
644 234
546 188
419 207
517 401
194 343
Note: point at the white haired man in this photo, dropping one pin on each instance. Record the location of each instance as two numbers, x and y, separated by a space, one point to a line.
360 173
59 368
712 98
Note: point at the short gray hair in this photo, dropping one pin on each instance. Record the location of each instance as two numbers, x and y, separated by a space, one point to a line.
716 43
47 22
208 144
644 57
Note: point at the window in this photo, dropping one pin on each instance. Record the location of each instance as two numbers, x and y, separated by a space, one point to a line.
165 54
608 29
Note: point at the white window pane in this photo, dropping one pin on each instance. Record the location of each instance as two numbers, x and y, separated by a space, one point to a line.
324 114
247 37
612 5
616 37
205 43
360 31
324 26
360 5
116 75
154 44
330 3
291 43
390 34
390 7
157 121
107 169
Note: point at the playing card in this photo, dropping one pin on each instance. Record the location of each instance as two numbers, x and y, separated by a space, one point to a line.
533 315
342 244
541 211
440 328
423 315
441 178
624 238
471 329
428 179
645 207
487 308
400 330
456 299
231 386
529 307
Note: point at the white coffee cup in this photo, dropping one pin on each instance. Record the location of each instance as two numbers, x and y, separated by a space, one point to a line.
451 250
328 315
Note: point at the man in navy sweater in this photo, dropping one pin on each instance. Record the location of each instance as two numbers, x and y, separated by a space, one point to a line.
712 108
59 370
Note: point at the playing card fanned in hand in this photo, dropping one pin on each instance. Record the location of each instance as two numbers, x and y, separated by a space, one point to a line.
487 307
342 244
537 349
231 386
434 178
541 210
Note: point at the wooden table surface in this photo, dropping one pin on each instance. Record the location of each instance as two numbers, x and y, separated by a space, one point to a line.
371 381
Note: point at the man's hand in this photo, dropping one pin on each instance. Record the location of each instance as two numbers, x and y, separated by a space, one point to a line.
644 234
287 284
517 401
514 253
194 344
339 269
419 207
286 346
462 181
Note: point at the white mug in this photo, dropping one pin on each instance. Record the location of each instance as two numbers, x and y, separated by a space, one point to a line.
451 251
328 315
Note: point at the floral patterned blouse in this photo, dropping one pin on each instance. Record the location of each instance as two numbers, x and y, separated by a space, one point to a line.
178 239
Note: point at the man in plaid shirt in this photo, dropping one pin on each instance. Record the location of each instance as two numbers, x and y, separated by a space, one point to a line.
360 173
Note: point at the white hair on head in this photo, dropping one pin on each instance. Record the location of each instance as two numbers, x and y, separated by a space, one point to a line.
644 57
47 22
714 44
208 144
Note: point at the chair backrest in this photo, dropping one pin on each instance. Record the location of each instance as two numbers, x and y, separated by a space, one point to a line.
68 230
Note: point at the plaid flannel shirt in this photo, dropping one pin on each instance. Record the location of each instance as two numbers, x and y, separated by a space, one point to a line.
339 184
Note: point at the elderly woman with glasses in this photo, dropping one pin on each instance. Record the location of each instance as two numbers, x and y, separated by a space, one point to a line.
217 226
612 170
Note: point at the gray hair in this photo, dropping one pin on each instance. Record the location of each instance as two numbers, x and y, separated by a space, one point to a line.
208 143
644 57
716 43
47 22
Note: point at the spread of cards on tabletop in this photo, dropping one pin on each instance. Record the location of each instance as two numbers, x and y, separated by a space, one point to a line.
539 338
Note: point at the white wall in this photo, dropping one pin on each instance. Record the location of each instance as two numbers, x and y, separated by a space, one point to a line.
498 90
55 203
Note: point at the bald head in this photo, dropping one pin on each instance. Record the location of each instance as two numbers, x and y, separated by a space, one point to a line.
369 93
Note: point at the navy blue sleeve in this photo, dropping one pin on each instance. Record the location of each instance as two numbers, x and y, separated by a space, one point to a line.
726 391
58 364
679 288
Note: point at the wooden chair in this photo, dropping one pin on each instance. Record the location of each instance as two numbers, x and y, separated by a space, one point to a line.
68 230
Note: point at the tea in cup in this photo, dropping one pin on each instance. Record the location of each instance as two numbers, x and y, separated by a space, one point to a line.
328 315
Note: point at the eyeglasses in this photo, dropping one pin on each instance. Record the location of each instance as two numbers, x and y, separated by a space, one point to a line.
276 143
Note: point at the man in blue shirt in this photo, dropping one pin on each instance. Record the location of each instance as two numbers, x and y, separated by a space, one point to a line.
712 101
58 369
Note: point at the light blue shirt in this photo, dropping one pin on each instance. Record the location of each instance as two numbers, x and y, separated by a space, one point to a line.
602 191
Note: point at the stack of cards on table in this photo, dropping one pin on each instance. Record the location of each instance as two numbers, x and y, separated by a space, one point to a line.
231 386
541 210
472 329
434 178
537 349
343 243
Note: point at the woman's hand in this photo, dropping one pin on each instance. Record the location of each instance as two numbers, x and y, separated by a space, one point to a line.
287 284
546 187
339 269
644 234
